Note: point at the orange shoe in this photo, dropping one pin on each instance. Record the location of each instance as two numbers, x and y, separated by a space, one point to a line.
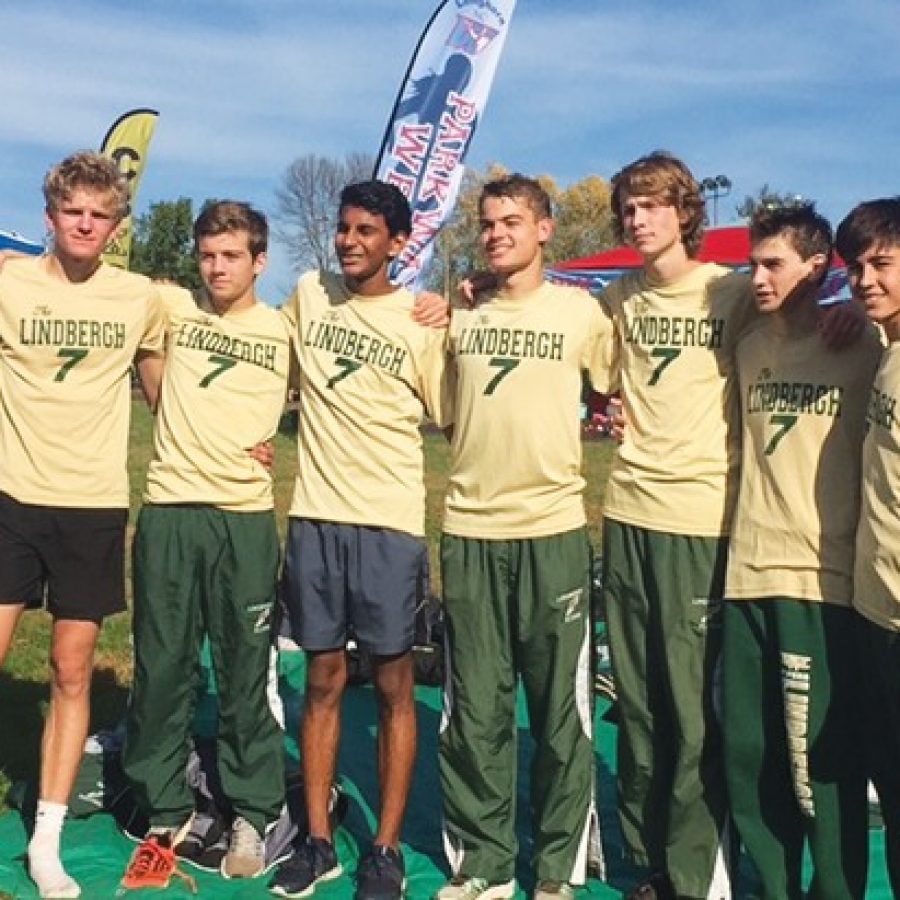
153 864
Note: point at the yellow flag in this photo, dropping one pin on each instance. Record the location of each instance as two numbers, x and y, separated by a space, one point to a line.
127 142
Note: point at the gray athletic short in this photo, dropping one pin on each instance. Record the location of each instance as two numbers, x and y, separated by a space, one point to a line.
341 579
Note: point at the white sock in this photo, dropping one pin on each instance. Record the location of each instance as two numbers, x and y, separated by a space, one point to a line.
44 863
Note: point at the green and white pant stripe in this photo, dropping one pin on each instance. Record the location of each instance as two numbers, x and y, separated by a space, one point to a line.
793 759
202 570
517 608
664 612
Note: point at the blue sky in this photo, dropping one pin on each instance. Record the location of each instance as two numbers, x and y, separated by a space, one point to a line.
803 95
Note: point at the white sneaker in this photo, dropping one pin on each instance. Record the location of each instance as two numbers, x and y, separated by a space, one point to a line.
246 856
467 887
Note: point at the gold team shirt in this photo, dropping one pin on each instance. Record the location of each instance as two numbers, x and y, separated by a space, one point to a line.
803 412
676 471
516 447
367 376
877 570
65 381
223 392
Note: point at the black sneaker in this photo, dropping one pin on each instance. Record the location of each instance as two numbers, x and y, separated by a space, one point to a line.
656 887
206 844
381 875
313 862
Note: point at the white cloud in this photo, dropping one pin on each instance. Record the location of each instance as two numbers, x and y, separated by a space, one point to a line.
762 90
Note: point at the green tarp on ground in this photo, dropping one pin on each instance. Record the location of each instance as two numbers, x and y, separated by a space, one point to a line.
96 853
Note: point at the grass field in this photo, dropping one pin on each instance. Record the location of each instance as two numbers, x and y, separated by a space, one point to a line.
23 683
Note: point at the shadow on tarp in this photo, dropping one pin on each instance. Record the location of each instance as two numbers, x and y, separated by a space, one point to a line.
22 706
96 852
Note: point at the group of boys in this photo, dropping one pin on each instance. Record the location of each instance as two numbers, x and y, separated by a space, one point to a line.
206 554
731 518
738 420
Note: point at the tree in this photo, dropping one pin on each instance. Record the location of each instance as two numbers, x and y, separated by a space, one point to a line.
583 224
583 220
765 196
307 201
163 243
457 250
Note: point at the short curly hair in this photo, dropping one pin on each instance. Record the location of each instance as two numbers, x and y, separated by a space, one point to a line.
380 199
86 169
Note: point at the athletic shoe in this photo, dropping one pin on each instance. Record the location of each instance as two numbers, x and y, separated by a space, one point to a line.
153 864
246 856
467 887
313 862
553 890
876 817
656 887
381 875
206 844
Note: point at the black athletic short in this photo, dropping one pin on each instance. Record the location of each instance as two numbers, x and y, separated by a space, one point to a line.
73 557
340 578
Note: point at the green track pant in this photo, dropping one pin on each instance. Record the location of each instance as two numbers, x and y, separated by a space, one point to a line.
879 650
198 569
791 729
663 604
517 608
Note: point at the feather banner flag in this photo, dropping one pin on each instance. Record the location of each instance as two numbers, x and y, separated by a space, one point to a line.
438 108
127 142
12 240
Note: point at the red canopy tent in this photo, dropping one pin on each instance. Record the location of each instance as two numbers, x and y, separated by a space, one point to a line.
728 246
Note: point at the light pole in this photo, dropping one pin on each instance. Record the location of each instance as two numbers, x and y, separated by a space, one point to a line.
718 186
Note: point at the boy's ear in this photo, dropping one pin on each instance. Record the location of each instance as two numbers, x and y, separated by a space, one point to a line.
398 242
819 265
546 227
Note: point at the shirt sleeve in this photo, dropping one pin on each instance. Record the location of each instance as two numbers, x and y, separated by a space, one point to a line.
433 387
601 359
154 337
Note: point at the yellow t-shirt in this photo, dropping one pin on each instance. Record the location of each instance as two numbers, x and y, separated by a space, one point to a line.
223 391
676 471
65 381
516 448
876 592
367 375
803 412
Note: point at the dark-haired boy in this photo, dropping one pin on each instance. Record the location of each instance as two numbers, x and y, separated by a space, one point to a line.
790 678
516 560
70 329
355 552
869 241
206 552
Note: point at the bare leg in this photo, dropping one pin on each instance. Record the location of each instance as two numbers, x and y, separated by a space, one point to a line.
66 728
320 732
394 683
9 618
72 662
